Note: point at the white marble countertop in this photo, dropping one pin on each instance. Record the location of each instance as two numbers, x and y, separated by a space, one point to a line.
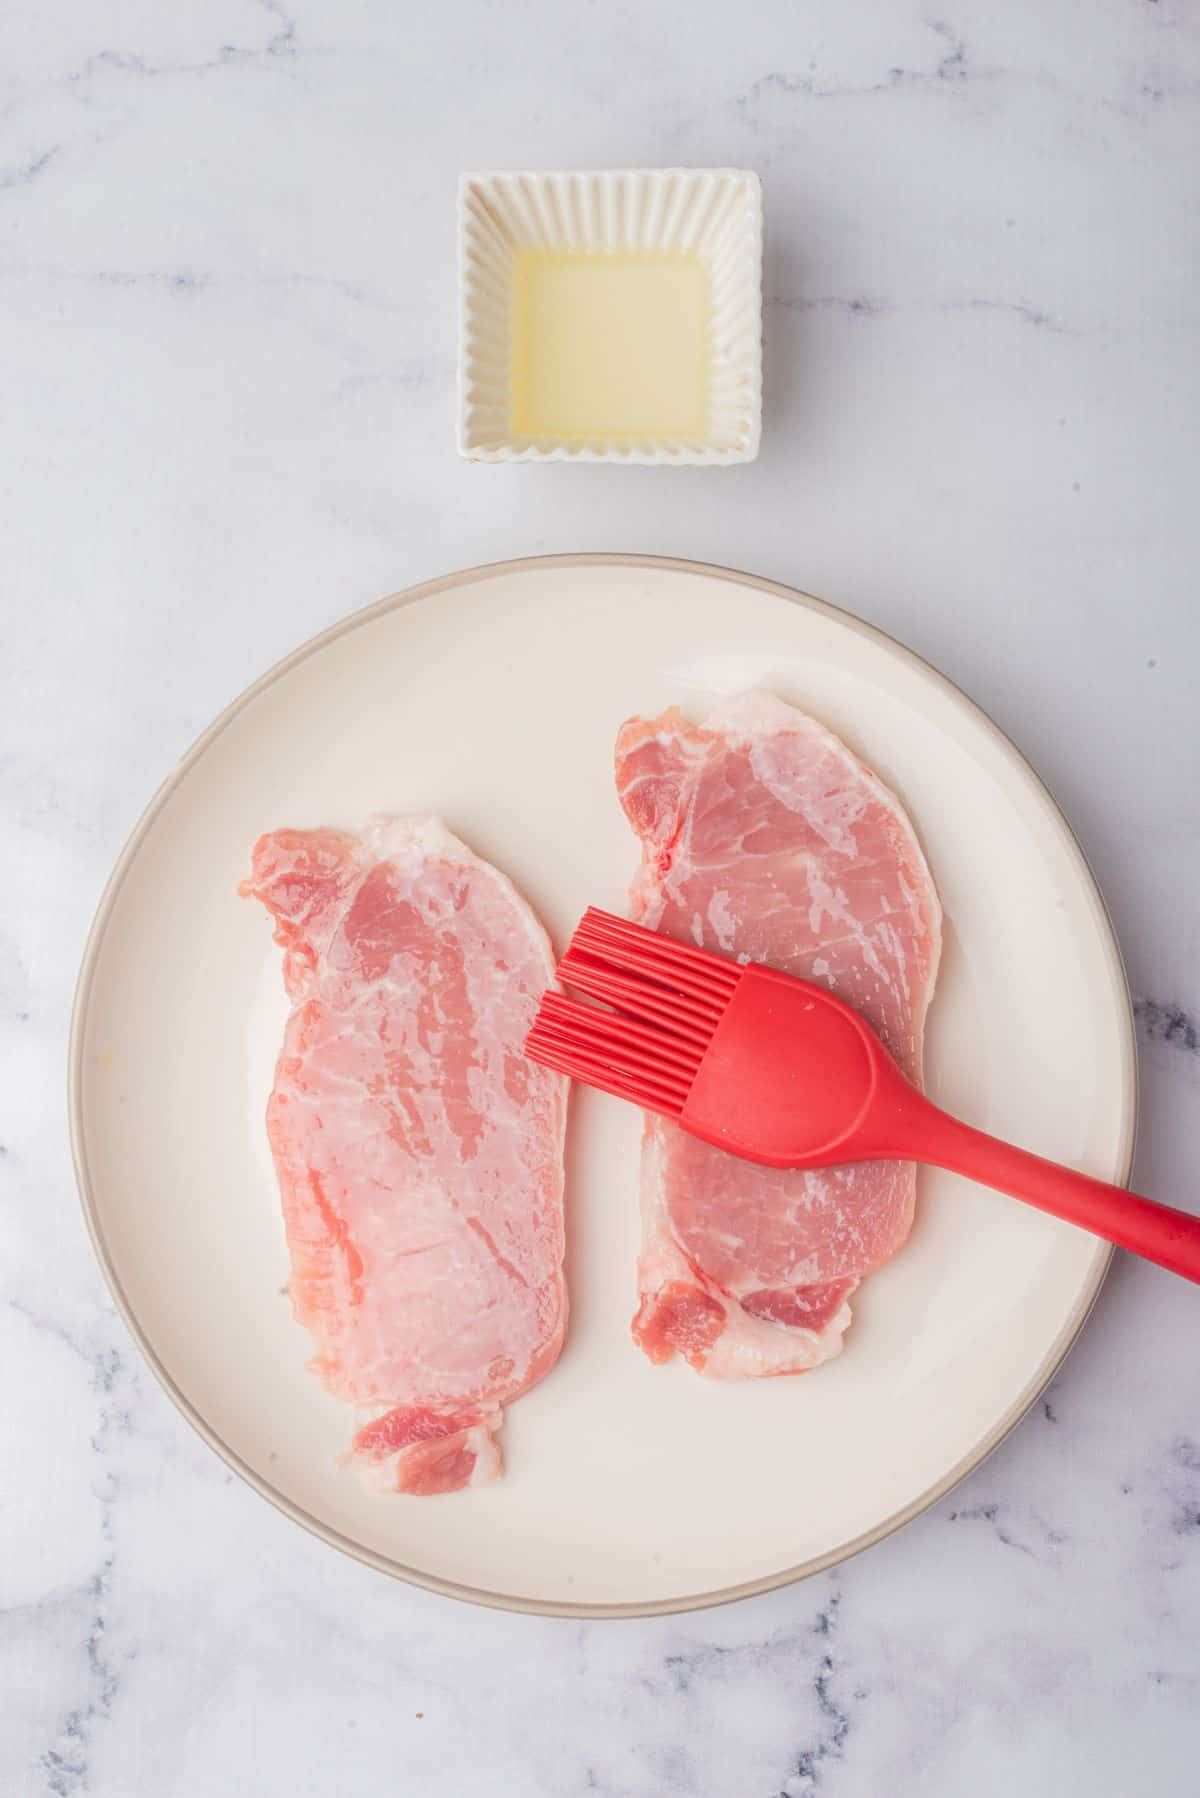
226 310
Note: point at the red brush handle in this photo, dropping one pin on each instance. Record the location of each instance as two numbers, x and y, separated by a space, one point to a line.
913 1127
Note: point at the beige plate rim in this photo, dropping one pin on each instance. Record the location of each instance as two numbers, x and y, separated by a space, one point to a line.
384 1563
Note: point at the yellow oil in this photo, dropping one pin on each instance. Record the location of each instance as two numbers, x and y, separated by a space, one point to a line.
610 345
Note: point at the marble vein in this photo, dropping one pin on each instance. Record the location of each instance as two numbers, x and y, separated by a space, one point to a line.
830 1744
861 306
65 1757
950 66
1169 1024
26 173
280 46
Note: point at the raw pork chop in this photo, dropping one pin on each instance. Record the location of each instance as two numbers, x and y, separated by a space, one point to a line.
420 1156
763 837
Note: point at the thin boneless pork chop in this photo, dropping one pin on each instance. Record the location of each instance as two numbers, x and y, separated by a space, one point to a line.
764 838
419 1154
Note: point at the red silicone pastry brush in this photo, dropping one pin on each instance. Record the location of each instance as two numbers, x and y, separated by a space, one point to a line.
779 1071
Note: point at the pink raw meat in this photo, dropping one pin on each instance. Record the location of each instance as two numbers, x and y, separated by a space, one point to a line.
763 837
419 1154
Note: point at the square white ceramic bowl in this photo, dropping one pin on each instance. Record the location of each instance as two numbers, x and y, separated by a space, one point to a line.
706 217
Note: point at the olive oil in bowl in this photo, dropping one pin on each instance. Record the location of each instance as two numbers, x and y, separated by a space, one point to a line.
610 315
610 345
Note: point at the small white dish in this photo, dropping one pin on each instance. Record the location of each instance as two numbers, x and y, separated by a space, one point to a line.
610 316
627 1488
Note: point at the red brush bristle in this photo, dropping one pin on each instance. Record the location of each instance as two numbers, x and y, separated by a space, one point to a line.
629 992
677 965
560 1013
666 1000
599 1071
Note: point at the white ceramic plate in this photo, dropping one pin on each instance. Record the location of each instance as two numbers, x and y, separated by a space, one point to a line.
493 697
